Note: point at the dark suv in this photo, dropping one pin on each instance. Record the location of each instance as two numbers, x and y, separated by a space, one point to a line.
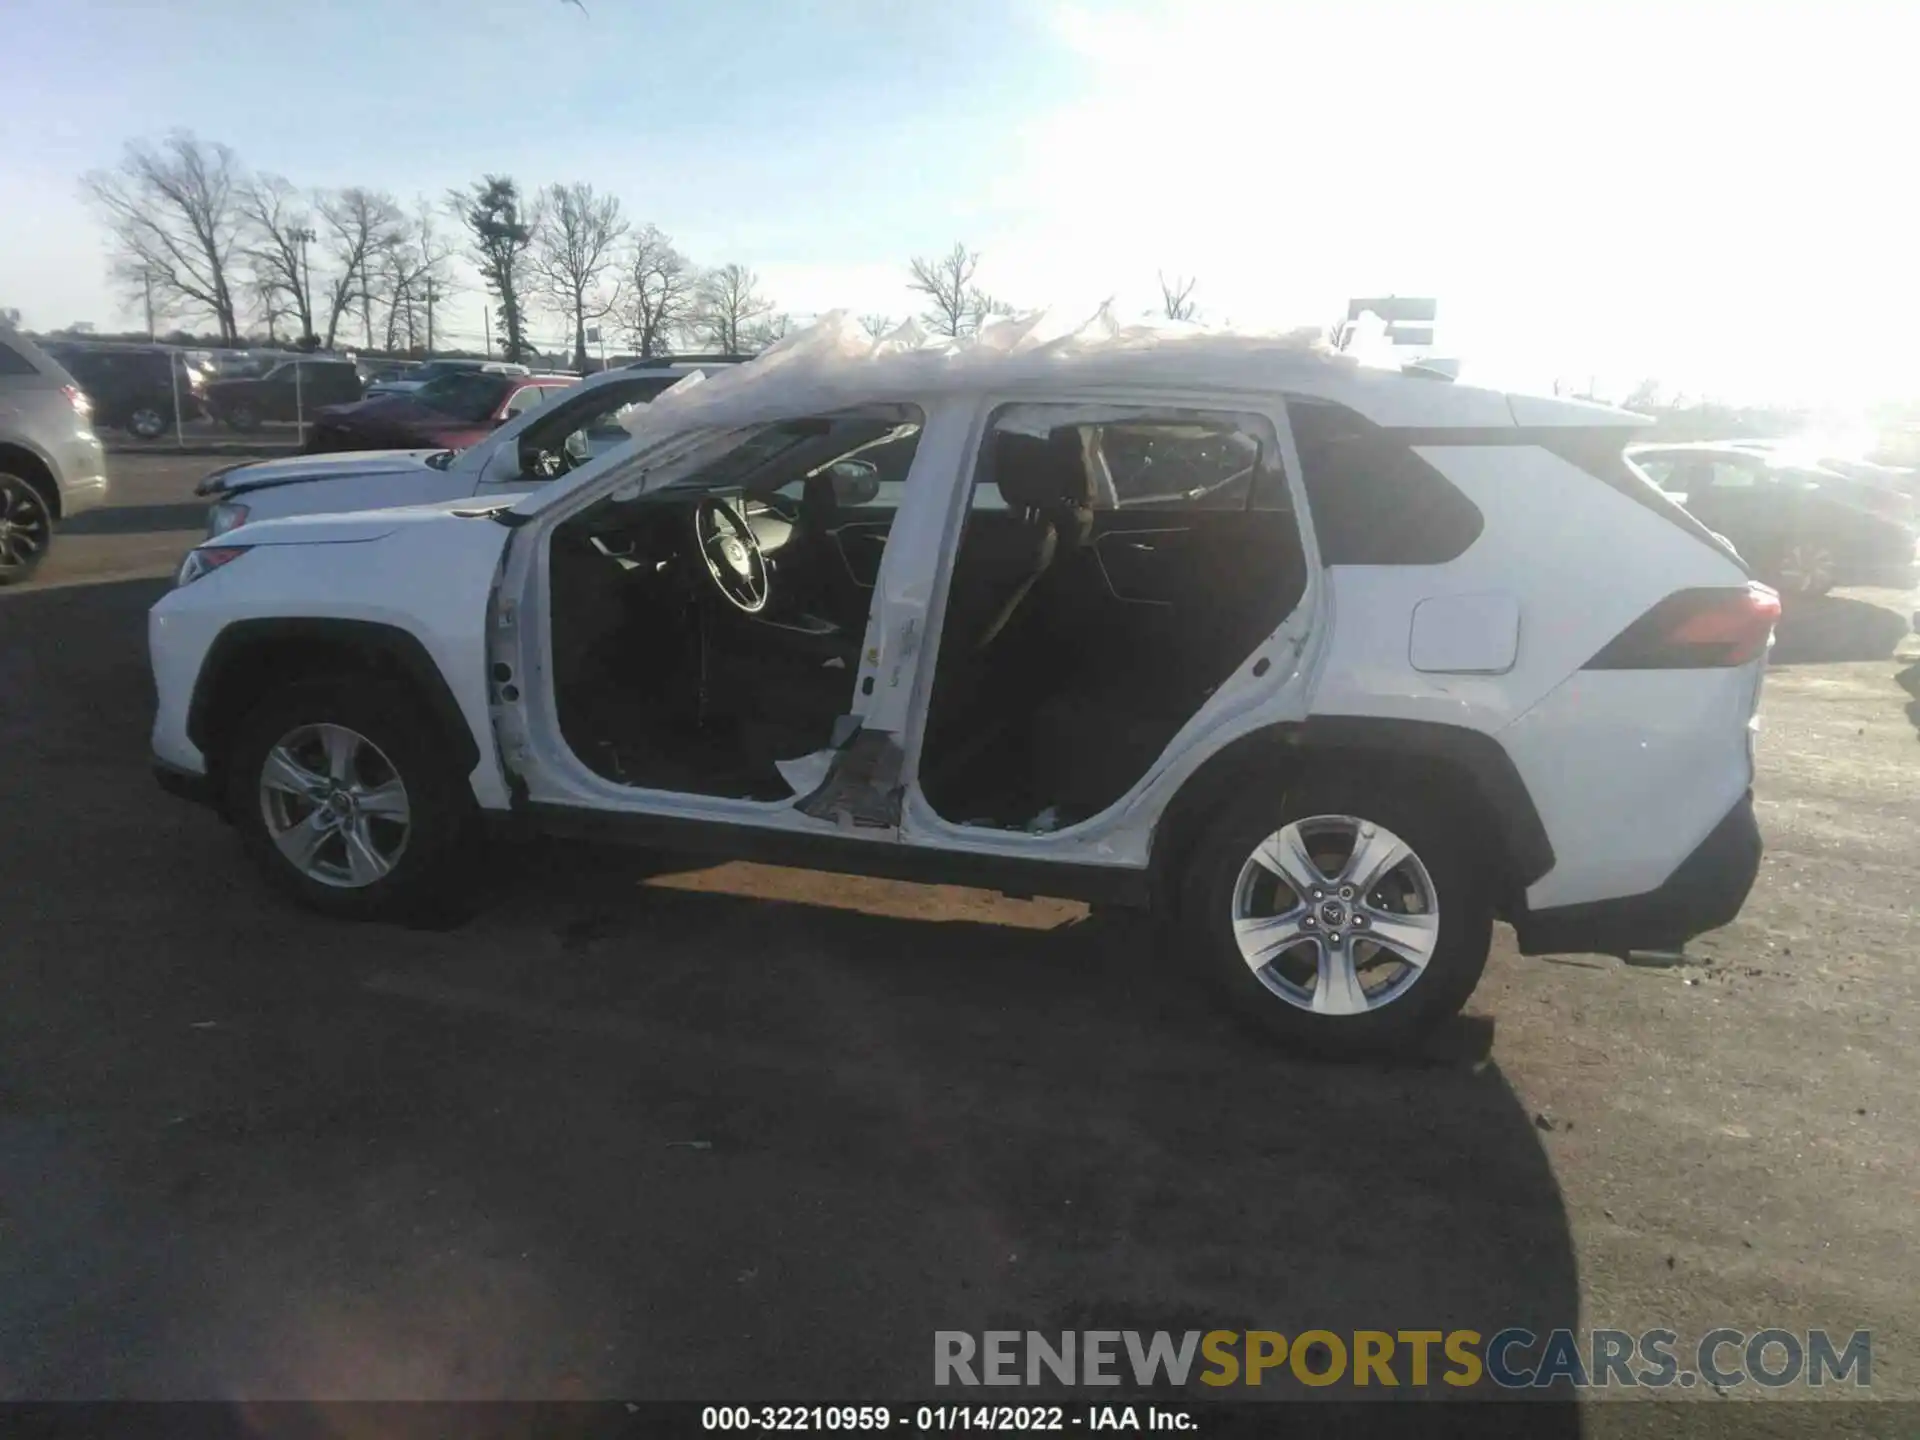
292 390
133 387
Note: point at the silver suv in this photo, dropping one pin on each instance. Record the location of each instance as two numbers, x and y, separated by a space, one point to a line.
52 465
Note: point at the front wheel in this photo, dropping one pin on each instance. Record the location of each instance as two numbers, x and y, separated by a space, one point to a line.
1805 569
348 801
242 416
1345 917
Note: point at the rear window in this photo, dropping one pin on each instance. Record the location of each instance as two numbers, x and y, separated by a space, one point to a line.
1374 501
13 361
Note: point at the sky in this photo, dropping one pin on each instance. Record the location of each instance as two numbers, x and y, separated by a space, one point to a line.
1717 197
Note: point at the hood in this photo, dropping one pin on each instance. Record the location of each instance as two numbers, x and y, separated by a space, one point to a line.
359 525
297 469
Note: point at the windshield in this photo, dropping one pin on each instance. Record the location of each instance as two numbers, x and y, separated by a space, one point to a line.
465 394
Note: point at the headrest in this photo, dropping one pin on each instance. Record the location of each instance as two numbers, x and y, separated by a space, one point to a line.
1035 474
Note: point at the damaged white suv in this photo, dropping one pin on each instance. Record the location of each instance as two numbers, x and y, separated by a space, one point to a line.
1334 665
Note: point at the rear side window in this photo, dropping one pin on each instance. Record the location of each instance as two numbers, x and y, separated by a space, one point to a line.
1374 501
12 362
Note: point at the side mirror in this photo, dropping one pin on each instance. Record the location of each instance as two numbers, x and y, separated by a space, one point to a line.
855 482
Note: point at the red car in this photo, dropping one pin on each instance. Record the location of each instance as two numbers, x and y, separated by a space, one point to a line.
450 413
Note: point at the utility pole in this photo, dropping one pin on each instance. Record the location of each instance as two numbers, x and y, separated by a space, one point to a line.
486 321
429 312
304 236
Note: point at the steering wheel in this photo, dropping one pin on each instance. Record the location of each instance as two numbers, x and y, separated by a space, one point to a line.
732 553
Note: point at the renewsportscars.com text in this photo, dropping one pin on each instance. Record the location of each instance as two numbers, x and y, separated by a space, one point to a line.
1512 1358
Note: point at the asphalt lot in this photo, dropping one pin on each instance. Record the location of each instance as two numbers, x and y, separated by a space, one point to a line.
646 1131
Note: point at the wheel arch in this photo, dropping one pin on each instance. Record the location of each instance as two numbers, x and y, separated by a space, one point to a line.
249 659
1466 767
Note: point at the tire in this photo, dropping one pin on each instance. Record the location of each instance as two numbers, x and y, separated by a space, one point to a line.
1398 1003
26 528
146 423
426 858
242 416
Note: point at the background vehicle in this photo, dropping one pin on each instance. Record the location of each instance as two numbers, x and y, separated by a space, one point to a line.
1233 633
52 465
134 387
450 413
429 371
532 447
292 389
1803 529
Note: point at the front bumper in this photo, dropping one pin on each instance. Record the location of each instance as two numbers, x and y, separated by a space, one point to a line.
1705 892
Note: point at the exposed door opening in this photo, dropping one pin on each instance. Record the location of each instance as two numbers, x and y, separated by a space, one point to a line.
1116 566
708 633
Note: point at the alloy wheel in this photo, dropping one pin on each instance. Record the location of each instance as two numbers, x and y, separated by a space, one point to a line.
1807 569
1336 915
146 423
334 806
26 528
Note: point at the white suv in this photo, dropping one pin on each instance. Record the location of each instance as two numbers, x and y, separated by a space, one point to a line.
1332 665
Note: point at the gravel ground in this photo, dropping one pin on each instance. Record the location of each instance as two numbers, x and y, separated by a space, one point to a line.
645 1130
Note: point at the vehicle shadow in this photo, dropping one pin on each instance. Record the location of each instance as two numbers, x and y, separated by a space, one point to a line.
1909 681
137 519
1045 1129
1833 628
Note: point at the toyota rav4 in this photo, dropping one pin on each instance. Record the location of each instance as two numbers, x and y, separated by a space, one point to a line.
1331 665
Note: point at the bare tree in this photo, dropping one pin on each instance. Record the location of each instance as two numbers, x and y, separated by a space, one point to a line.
502 230
876 325
947 282
956 306
1176 299
661 289
576 245
174 213
362 227
730 312
279 228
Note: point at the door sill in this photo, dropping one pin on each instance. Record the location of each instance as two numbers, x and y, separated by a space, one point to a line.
845 852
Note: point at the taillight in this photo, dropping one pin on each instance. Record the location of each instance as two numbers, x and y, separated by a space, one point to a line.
1702 629
76 397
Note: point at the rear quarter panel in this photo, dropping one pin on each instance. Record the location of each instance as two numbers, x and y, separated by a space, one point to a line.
1628 769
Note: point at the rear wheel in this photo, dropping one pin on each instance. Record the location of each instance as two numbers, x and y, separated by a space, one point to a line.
241 415
1346 917
146 423
26 528
349 802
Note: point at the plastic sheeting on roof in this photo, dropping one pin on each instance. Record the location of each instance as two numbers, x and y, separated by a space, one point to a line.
828 363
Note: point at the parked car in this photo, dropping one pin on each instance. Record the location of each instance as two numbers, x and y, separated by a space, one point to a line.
902 615
1884 489
431 370
1803 528
289 391
532 448
450 413
134 387
52 465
